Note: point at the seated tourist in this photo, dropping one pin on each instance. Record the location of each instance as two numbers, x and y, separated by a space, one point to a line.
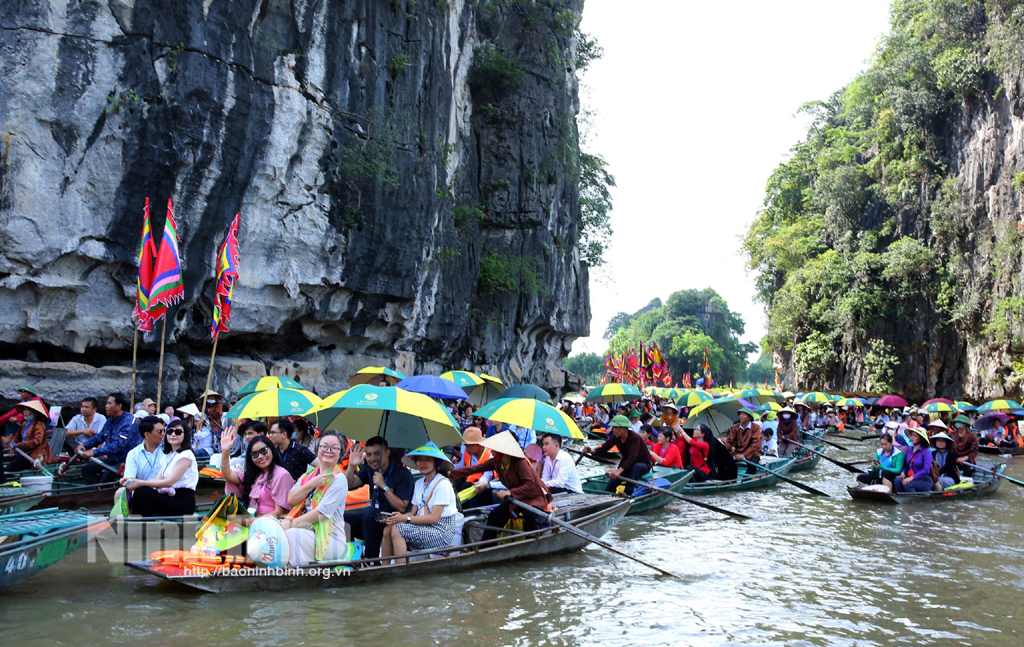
391 490
87 423
700 450
120 433
474 452
295 457
648 435
917 468
173 492
558 471
430 524
511 467
635 459
262 484
945 471
769 446
887 465
145 460
965 443
316 525
665 453
31 439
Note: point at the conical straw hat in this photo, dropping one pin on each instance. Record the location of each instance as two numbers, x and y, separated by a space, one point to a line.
504 443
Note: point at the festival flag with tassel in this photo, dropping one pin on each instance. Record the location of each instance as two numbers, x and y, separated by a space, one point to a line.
167 286
144 284
227 273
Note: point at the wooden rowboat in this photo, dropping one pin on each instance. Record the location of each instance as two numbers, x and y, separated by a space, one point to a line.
984 485
650 500
590 513
40 538
1000 451
759 479
18 499
804 460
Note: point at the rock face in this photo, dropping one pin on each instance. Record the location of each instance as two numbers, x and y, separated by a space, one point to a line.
939 358
406 171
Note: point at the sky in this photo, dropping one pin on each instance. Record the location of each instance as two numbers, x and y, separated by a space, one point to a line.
694 105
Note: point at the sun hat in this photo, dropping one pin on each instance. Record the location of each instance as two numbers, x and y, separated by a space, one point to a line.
472 436
34 405
668 404
148 401
634 414
942 436
746 411
189 409
892 424
787 409
962 418
28 388
619 421
504 443
937 423
920 432
430 450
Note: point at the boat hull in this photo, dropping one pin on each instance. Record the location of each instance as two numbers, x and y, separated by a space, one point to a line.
651 500
746 482
805 461
23 559
532 545
984 486
20 503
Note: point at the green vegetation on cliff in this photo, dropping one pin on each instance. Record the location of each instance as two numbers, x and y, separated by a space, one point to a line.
865 223
689 322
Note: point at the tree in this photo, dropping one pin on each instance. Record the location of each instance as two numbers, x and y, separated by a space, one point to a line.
688 322
589 366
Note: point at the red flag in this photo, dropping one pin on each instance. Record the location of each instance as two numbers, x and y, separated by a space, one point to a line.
144 283
167 286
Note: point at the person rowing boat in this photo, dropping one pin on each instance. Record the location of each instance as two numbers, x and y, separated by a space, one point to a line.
636 458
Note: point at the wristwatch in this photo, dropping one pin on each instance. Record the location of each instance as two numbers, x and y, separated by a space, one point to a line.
385 488
408 518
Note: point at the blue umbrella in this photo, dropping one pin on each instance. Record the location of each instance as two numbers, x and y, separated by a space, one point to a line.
433 386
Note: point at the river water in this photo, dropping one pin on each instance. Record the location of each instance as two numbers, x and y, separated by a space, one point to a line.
807 571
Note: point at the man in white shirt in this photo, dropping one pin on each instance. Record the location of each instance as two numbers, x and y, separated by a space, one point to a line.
87 423
559 471
144 461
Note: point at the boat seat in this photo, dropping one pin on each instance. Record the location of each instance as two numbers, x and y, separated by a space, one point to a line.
455 542
57 437
39 522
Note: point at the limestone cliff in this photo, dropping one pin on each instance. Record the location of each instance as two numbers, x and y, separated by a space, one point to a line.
406 172
889 249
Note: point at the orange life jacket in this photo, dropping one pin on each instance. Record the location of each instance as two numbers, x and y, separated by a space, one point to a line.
465 462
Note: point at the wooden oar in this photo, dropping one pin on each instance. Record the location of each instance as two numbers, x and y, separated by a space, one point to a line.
687 499
551 518
837 446
36 463
785 478
870 437
846 466
93 459
599 459
994 473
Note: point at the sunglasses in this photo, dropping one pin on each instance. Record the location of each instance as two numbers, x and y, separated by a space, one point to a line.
262 451
176 432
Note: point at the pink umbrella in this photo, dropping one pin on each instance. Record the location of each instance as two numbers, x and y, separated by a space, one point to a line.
891 401
942 400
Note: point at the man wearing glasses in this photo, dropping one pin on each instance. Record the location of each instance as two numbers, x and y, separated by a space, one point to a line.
295 457
145 461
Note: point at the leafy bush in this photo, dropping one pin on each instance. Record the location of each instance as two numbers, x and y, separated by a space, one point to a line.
815 354
881 362
494 76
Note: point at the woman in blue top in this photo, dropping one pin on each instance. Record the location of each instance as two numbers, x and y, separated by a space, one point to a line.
917 471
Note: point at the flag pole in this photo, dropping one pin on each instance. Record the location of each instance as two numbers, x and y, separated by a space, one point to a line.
135 355
160 370
209 376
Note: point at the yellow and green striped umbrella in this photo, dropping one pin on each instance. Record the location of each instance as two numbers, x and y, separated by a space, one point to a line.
370 373
940 407
614 392
999 405
273 403
463 379
850 402
965 406
769 406
694 397
489 391
403 418
761 396
532 414
816 396
719 414
269 382
670 394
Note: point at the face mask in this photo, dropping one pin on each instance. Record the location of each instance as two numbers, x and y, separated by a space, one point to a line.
959 425
29 416
295 435
786 417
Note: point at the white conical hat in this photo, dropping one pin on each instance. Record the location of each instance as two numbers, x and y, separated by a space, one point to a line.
504 443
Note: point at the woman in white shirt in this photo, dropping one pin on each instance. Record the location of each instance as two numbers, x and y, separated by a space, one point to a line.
173 492
431 523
